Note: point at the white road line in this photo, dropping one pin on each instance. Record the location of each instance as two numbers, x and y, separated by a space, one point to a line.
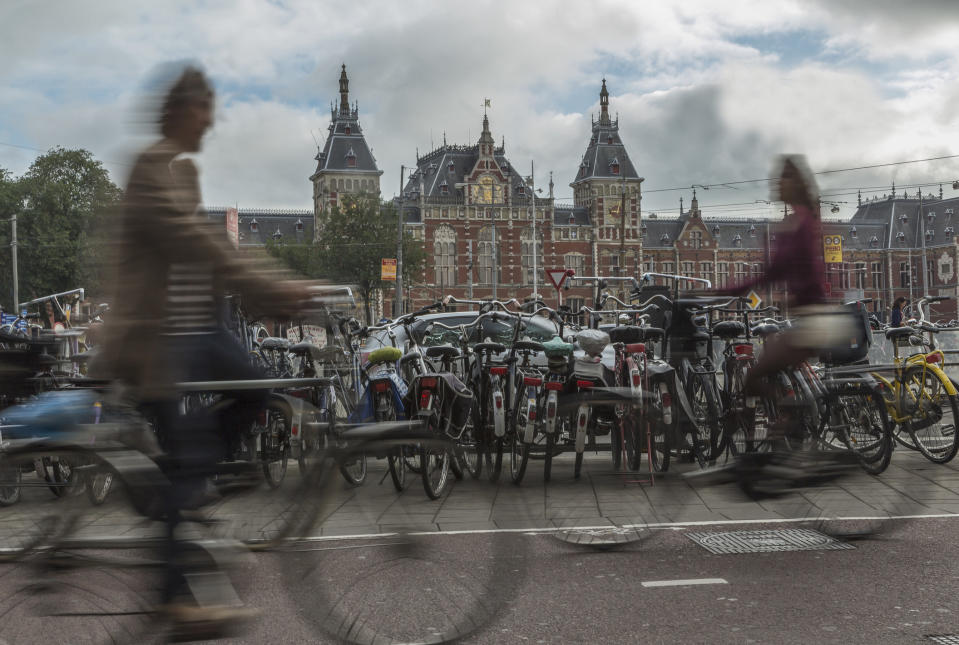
685 583
676 526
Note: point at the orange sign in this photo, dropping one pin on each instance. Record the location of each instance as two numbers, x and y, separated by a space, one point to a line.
388 269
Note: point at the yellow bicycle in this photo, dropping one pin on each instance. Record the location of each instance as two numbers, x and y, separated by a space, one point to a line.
920 398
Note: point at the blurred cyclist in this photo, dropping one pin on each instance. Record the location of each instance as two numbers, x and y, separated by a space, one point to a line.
172 270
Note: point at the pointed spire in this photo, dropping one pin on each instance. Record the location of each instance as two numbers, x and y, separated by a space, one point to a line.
344 92
940 191
604 104
859 197
680 205
893 189
444 138
486 141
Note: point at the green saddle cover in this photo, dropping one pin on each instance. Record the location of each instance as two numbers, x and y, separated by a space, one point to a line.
557 347
384 355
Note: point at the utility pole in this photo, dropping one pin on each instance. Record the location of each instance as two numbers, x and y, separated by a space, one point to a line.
13 255
398 305
925 271
622 231
469 268
532 208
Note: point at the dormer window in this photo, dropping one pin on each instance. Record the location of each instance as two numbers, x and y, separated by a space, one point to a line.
609 139
874 241
277 234
451 167
351 158
715 230
614 166
752 230
254 226
738 240
931 216
664 238
444 188
901 236
903 218
299 226
432 168
853 233
521 190
348 130
930 233
949 231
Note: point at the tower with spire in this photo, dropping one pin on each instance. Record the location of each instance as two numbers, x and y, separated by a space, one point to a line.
605 179
345 165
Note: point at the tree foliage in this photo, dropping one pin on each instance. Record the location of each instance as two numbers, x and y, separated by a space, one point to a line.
353 239
60 203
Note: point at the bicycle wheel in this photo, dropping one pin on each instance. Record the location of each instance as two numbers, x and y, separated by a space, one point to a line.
634 446
616 443
10 479
934 415
468 451
548 457
99 485
705 431
435 469
865 429
494 445
274 442
518 458
397 467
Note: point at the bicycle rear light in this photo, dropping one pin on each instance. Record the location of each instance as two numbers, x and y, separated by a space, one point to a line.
381 386
743 350
428 382
426 397
532 380
933 358
499 371
636 348
584 385
554 386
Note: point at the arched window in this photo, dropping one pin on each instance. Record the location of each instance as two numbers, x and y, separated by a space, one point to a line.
254 225
526 240
444 256
486 256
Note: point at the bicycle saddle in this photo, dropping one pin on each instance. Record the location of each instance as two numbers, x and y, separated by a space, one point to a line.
729 329
84 357
409 356
491 347
442 352
626 334
765 329
895 333
271 343
650 333
557 347
528 346
304 348
384 355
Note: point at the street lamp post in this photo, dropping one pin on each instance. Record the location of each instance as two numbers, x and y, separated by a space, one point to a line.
532 209
398 304
13 256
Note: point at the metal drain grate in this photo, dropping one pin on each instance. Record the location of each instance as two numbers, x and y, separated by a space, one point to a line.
944 639
767 541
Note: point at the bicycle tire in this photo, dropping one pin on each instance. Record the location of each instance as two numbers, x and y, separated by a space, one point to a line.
634 448
548 457
616 441
938 442
275 442
435 467
495 445
518 459
10 479
99 485
704 432
866 430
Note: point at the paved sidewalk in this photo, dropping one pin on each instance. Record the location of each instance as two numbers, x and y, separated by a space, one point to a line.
911 486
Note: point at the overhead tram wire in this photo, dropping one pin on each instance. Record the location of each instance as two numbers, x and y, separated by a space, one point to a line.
730 184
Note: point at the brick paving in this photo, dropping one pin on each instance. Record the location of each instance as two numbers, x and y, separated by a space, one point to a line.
911 486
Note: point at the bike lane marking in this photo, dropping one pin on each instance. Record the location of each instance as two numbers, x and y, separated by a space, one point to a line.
685 583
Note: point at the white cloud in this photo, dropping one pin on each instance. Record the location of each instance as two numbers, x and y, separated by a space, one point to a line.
696 104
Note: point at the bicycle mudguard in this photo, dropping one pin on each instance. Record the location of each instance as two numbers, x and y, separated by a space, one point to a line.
51 414
303 413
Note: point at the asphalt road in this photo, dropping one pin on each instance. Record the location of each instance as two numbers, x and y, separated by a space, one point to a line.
896 586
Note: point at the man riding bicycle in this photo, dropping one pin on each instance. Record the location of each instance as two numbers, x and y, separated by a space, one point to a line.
173 269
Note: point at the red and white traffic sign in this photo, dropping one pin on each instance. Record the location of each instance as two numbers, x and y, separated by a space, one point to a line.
558 276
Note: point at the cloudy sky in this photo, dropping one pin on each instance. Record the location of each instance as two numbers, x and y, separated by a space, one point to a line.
707 92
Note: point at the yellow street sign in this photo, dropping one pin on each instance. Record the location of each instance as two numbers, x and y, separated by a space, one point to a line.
388 269
753 300
832 249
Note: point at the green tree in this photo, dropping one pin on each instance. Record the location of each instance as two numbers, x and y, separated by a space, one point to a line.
60 203
353 239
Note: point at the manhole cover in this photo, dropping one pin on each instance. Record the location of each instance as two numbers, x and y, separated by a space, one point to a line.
944 639
601 537
767 541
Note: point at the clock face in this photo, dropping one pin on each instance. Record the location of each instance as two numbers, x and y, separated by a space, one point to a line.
613 213
486 191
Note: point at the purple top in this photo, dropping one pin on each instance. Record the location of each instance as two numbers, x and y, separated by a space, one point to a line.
796 261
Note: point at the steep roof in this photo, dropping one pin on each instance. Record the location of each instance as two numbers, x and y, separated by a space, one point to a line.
290 225
345 139
605 149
